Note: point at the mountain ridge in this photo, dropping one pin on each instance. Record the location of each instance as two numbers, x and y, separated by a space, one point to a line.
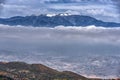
56 20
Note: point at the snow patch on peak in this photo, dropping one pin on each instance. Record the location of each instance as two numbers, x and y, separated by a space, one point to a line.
64 14
50 15
61 14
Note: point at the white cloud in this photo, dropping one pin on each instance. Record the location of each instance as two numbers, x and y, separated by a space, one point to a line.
92 33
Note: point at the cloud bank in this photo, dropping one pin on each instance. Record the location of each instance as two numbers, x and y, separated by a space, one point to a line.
86 50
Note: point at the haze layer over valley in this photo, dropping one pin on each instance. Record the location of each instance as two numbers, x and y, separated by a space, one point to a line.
90 51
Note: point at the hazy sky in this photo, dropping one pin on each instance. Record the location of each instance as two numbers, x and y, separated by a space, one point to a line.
107 10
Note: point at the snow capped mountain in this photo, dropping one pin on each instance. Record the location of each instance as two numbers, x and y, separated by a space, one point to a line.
52 20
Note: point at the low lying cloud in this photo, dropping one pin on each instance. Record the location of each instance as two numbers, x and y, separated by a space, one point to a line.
90 33
69 39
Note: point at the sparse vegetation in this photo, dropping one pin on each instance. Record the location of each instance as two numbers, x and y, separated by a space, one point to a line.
23 71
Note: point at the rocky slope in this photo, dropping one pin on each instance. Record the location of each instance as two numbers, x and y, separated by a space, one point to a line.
24 71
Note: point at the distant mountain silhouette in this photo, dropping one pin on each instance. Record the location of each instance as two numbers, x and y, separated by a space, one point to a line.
56 20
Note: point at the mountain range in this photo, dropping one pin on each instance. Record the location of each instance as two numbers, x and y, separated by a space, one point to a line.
56 20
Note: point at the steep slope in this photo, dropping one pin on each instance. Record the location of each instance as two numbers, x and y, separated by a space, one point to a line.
20 71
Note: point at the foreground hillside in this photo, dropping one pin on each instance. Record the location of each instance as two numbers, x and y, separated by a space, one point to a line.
23 71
